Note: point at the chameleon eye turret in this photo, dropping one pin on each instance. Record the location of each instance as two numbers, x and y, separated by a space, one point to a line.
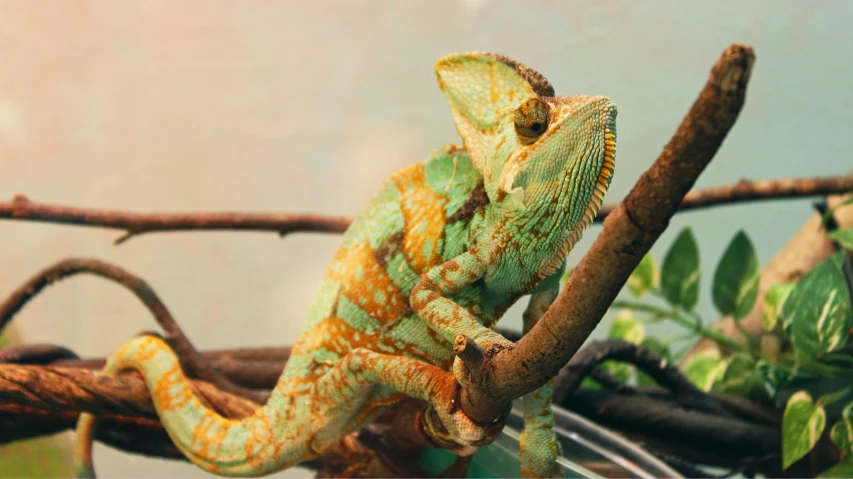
531 120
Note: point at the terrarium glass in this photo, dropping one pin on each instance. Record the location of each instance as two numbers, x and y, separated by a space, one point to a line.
589 451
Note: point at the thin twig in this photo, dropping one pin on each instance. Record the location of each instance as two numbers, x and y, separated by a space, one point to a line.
746 190
629 232
35 354
136 224
183 347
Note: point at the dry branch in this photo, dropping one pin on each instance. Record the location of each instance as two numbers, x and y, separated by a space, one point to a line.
76 389
257 368
705 432
178 340
125 419
131 433
746 190
629 232
664 374
136 224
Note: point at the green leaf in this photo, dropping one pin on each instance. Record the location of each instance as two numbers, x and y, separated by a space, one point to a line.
844 237
736 377
802 424
819 310
704 368
842 431
645 276
657 346
680 272
831 211
591 384
842 469
771 308
735 285
626 327
830 398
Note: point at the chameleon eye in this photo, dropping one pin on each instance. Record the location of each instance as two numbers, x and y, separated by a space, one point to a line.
531 120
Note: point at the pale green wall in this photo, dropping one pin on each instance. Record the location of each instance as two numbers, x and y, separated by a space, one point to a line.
307 106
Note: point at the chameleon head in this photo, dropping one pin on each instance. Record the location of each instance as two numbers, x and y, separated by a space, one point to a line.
546 160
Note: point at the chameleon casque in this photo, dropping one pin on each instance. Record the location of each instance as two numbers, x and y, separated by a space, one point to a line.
444 249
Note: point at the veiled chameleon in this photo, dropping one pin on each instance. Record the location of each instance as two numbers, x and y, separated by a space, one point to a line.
444 249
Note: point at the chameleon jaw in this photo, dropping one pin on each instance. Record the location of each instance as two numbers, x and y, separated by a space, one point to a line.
608 165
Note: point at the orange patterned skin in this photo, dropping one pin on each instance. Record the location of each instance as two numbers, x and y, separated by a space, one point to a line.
444 249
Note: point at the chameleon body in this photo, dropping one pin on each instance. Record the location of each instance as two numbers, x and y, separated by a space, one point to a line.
444 249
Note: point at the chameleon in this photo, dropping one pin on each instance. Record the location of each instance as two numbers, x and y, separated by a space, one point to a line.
443 249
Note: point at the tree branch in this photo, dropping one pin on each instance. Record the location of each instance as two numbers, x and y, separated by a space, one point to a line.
629 232
666 375
74 389
126 418
131 433
746 190
177 339
257 368
136 224
665 420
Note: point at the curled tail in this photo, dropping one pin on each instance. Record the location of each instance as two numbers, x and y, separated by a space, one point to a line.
252 446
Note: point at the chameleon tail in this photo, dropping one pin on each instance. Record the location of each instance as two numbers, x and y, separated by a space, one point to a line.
251 446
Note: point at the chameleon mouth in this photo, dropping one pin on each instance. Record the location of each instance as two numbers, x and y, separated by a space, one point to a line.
603 181
608 165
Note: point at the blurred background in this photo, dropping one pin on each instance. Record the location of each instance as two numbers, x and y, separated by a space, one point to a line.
288 106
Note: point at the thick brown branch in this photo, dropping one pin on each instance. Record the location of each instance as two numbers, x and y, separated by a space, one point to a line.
127 422
666 375
75 389
665 420
629 232
138 223
257 368
132 433
181 344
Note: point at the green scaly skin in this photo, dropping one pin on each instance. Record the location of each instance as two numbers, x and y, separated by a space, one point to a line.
444 249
